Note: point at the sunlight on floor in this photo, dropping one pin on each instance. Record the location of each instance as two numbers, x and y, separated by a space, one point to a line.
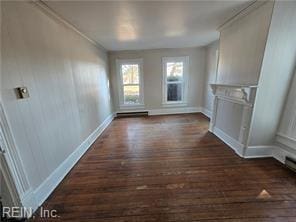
264 195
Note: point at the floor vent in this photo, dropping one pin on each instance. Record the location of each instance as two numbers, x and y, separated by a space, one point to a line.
131 114
290 163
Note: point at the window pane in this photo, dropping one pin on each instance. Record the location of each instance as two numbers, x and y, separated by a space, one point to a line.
174 92
174 71
131 94
130 73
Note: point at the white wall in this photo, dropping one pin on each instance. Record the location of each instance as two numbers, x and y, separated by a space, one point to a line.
210 74
276 74
259 48
287 127
229 118
152 70
241 49
242 44
67 78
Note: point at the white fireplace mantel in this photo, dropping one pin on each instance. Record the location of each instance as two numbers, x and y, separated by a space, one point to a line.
244 97
239 93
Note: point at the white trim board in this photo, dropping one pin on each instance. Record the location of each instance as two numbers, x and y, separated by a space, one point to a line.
42 6
36 197
285 140
175 110
263 151
259 151
168 110
241 150
11 163
280 152
164 111
253 5
207 112
232 143
29 201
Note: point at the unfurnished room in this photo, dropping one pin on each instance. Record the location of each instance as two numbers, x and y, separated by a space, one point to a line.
144 110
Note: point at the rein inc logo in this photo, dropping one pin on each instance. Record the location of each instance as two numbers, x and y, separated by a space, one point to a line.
11 211
23 212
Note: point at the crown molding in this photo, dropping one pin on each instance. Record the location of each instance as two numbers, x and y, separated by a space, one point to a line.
42 6
242 13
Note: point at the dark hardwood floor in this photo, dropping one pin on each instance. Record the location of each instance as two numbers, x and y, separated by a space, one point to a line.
170 168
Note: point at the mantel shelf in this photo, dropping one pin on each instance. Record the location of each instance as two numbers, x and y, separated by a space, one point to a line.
236 92
234 85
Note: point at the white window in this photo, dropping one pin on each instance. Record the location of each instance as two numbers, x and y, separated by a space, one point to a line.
130 75
175 72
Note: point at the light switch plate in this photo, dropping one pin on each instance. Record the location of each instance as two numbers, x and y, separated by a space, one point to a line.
23 92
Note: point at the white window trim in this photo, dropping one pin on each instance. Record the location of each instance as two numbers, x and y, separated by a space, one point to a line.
183 102
120 62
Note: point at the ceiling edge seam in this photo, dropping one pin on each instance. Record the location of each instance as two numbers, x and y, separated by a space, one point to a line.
52 13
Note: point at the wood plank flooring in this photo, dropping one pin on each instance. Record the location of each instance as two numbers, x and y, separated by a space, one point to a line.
170 168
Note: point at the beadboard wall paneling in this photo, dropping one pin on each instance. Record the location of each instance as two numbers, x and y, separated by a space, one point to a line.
276 75
229 118
287 128
210 75
68 83
242 46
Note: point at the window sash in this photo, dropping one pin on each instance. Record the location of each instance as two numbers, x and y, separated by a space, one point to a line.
178 82
122 85
166 71
183 82
125 96
168 82
181 91
129 64
131 94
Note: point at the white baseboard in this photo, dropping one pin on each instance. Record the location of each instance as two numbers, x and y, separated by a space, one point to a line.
234 144
36 197
281 152
171 110
278 151
285 140
241 150
175 110
207 112
259 151
29 201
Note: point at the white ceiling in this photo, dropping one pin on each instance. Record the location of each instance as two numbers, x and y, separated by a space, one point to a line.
130 25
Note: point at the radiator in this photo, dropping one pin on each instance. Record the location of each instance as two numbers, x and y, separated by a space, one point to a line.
290 163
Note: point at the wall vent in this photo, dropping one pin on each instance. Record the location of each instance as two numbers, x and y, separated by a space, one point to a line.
290 163
131 114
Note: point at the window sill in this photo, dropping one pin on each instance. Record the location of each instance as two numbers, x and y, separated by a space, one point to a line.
174 104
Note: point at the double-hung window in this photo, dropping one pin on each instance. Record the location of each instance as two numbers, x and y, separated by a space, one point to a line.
130 75
175 72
